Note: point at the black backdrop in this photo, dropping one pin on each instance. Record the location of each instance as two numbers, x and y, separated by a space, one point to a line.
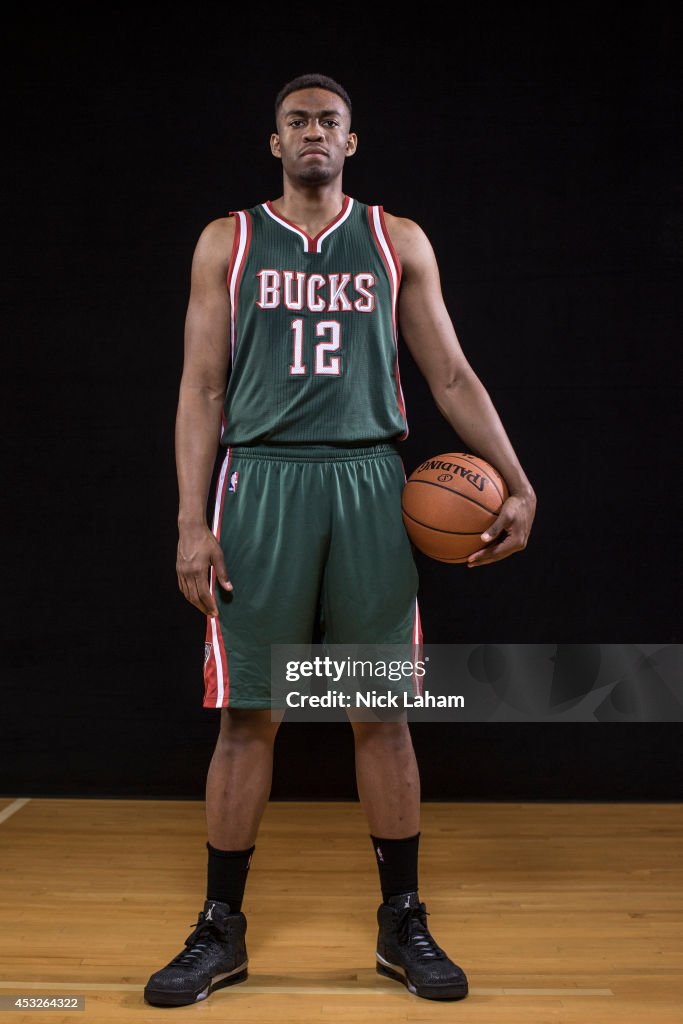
538 149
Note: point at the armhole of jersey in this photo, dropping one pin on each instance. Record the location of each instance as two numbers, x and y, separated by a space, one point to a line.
388 254
235 243
238 258
392 265
380 210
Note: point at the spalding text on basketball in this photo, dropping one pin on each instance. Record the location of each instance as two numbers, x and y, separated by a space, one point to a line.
476 479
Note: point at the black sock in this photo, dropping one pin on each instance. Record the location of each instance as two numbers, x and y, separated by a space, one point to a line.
397 863
227 875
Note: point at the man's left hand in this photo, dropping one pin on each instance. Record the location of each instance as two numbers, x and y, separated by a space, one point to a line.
509 533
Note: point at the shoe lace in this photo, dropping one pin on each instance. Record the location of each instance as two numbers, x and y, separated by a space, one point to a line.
411 926
205 934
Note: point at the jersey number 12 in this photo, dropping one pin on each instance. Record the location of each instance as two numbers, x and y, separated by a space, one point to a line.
331 368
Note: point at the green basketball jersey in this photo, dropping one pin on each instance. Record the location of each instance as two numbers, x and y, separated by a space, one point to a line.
314 356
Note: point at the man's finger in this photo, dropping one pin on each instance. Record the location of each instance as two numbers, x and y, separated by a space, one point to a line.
494 551
206 597
221 571
182 584
498 526
496 542
194 593
203 598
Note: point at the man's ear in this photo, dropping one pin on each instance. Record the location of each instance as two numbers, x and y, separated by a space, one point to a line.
275 145
351 144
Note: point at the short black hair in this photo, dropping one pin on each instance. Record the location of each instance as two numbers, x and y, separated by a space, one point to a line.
312 82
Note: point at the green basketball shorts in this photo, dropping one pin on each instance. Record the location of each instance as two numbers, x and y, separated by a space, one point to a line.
310 534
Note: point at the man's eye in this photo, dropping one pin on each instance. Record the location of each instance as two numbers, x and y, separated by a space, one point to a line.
333 123
293 124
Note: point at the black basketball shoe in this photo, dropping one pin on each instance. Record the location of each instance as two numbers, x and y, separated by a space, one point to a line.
215 956
407 952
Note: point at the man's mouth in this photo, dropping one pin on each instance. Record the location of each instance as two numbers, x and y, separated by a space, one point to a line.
314 152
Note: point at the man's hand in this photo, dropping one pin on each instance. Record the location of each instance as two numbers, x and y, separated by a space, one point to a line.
514 519
197 550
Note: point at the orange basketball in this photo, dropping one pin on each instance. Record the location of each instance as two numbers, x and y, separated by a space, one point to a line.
448 502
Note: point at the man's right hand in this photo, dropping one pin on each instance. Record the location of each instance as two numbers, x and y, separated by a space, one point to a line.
197 550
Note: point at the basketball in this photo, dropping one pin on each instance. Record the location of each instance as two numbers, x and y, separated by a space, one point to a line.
448 502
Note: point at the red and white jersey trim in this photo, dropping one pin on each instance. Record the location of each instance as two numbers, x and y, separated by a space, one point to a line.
417 649
417 638
395 272
238 258
312 244
216 676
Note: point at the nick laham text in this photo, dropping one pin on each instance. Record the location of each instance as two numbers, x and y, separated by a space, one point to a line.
372 699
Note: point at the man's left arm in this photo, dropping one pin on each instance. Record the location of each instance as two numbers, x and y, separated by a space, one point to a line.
460 396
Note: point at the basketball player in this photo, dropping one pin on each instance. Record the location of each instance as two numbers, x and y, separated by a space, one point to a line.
302 298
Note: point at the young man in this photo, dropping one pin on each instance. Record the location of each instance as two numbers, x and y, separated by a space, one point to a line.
301 297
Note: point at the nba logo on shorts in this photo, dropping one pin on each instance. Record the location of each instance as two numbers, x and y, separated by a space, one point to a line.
233 481
207 652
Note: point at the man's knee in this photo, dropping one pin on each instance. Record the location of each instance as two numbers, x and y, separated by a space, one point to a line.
393 732
249 725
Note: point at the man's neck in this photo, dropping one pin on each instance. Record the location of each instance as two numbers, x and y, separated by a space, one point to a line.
312 208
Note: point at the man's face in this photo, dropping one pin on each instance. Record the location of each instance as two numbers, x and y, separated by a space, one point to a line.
313 137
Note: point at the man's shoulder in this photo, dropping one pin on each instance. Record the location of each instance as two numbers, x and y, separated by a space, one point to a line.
216 231
402 226
215 241
405 235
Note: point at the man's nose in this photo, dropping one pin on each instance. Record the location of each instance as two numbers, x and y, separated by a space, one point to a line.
313 131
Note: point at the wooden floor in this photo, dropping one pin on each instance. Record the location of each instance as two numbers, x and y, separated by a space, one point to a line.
569 913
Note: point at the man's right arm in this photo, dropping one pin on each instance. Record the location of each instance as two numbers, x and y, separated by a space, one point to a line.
200 405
